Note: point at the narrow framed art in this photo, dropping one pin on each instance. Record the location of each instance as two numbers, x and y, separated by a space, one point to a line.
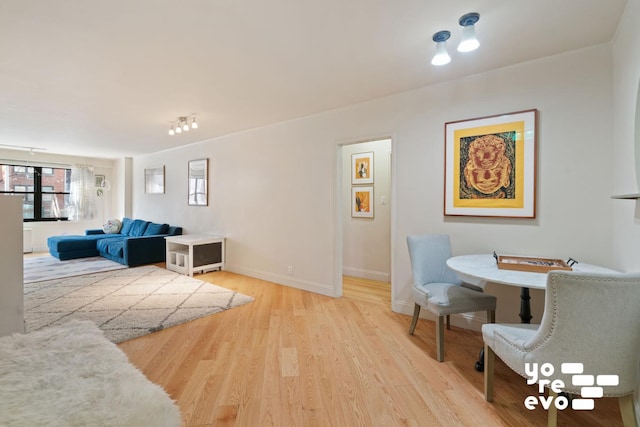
362 202
198 182
362 168
490 166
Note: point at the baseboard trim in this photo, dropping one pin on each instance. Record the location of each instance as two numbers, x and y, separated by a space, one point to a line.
305 285
380 276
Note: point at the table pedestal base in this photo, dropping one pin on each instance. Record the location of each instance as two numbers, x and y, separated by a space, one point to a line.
525 306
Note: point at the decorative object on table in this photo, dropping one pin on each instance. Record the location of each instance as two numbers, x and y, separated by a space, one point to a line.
39 269
532 264
438 289
126 303
362 168
198 182
154 180
70 375
588 338
362 202
490 166
112 226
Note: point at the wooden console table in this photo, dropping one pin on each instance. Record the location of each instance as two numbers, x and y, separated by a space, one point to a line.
190 253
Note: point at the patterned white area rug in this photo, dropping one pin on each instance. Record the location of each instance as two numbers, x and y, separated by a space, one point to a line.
70 375
37 269
127 303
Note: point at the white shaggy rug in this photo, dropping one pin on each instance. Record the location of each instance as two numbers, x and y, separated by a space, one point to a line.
127 303
71 375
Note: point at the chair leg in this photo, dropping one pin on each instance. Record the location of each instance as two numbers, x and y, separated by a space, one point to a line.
414 321
489 359
440 339
627 410
448 322
552 412
491 316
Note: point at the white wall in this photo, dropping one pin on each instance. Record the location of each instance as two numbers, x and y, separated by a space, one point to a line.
626 142
367 241
11 286
273 189
626 146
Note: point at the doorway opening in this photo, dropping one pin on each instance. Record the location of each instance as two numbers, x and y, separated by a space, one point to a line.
364 188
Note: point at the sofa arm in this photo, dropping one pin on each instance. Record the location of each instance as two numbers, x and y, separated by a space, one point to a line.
93 231
144 250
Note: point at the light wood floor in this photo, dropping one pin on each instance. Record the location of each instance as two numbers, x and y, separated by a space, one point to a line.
294 358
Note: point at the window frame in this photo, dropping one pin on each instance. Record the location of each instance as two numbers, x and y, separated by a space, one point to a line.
37 193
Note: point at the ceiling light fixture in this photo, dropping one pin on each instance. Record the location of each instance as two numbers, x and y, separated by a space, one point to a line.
469 41
182 124
441 56
31 150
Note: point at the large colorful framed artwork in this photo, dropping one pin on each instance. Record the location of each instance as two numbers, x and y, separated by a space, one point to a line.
490 166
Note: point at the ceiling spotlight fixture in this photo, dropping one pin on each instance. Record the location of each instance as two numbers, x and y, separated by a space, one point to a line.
441 56
469 41
182 124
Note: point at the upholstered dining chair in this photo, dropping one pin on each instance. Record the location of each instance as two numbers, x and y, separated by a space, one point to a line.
591 320
438 289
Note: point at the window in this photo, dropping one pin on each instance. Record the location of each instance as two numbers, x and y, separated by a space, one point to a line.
45 190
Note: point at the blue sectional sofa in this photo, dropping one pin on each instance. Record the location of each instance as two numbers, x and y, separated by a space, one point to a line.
138 242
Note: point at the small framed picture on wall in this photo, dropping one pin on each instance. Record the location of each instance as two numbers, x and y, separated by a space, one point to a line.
362 168
154 180
362 202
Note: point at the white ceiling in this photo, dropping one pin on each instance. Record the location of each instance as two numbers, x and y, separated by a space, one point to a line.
105 78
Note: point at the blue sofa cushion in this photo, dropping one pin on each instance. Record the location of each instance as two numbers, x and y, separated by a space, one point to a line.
138 228
74 243
172 230
113 247
127 223
154 229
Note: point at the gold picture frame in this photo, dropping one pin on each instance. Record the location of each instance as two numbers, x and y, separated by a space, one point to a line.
362 168
490 166
362 202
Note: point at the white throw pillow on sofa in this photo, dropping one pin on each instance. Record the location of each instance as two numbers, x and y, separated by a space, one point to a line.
112 226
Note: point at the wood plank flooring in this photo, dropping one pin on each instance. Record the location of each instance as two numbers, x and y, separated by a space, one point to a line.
294 358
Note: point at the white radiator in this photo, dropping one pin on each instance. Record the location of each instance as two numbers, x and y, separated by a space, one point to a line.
27 240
